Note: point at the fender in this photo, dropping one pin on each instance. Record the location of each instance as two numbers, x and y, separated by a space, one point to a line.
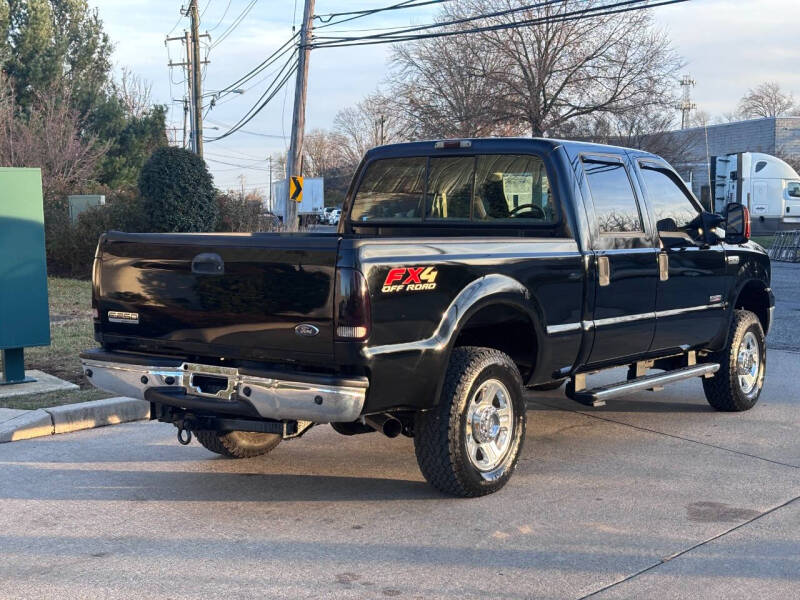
750 272
480 293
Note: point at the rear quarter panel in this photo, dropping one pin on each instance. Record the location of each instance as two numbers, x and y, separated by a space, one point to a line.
412 330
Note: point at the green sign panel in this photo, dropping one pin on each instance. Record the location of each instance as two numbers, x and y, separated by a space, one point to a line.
24 313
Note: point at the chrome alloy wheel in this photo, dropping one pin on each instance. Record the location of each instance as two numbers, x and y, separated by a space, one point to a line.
748 363
489 426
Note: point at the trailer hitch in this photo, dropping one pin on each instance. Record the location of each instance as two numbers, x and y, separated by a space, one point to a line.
184 435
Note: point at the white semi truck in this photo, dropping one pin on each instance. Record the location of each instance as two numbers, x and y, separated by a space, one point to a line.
765 184
310 209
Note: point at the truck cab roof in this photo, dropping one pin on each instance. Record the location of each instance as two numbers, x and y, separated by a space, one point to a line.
493 145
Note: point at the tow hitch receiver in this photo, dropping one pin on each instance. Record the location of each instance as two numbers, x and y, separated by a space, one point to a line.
186 422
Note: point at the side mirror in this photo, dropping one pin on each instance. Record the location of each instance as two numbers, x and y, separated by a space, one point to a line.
710 228
737 224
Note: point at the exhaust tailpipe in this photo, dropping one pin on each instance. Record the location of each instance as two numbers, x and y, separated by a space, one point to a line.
386 424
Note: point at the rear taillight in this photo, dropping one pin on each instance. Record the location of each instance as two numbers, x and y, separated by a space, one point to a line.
746 223
352 310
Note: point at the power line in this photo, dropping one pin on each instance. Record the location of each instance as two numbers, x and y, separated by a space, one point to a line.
248 167
358 14
499 13
236 22
222 18
283 76
176 25
597 11
256 133
257 70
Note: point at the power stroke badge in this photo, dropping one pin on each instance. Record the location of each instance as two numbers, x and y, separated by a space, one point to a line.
410 279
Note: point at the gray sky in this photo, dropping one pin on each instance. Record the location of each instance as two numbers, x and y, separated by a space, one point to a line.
729 46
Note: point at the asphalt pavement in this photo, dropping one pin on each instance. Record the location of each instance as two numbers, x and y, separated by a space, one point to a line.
785 331
655 496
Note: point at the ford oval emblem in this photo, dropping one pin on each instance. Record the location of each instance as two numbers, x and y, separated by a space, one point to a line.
306 330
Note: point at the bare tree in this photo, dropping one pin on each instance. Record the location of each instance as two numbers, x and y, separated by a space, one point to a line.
321 153
544 74
49 137
370 123
134 92
448 89
766 100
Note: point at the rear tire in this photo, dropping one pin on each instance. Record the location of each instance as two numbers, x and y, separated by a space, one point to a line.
468 445
238 444
743 362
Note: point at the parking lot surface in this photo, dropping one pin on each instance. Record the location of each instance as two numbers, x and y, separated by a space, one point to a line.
653 496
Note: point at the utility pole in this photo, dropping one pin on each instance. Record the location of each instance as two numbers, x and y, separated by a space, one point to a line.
686 106
189 101
193 103
383 123
185 120
197 77
295 156
270 183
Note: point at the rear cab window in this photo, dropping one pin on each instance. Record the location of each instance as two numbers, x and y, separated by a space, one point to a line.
391 189
477 190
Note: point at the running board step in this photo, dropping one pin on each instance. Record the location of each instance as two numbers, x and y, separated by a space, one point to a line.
597 396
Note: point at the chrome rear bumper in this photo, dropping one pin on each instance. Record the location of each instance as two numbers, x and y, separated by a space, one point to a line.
272 398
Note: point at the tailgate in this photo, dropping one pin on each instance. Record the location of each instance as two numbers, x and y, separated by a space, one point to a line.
226 295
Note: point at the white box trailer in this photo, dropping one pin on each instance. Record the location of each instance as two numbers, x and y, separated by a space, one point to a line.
310 209
765 184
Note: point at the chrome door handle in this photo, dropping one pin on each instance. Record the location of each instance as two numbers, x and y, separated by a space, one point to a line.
603 271
663 266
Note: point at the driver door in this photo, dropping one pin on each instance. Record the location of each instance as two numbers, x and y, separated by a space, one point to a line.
692 286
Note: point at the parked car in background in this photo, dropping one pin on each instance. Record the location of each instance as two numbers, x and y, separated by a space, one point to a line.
336 215
462 272
326 215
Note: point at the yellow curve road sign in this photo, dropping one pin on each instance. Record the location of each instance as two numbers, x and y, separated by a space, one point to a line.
296 188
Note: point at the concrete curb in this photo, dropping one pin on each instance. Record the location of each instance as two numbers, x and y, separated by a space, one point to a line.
73 417
35 423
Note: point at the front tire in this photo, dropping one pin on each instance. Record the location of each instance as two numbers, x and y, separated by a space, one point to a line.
468 445
238 444
743 362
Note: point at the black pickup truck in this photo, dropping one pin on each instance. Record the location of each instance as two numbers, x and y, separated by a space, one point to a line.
462 272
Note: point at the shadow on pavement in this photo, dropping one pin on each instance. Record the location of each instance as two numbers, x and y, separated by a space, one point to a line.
206 486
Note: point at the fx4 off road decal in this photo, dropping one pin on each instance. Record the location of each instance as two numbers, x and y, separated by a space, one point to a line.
410 279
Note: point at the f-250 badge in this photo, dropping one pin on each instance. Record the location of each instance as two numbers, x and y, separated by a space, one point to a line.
410 279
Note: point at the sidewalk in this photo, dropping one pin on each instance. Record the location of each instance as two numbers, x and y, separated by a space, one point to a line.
18 425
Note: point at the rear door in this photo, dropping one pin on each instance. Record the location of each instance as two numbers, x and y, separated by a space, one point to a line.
692 281
792 213
626 268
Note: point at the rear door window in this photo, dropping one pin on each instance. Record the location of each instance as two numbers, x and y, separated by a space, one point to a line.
391 189
615 204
